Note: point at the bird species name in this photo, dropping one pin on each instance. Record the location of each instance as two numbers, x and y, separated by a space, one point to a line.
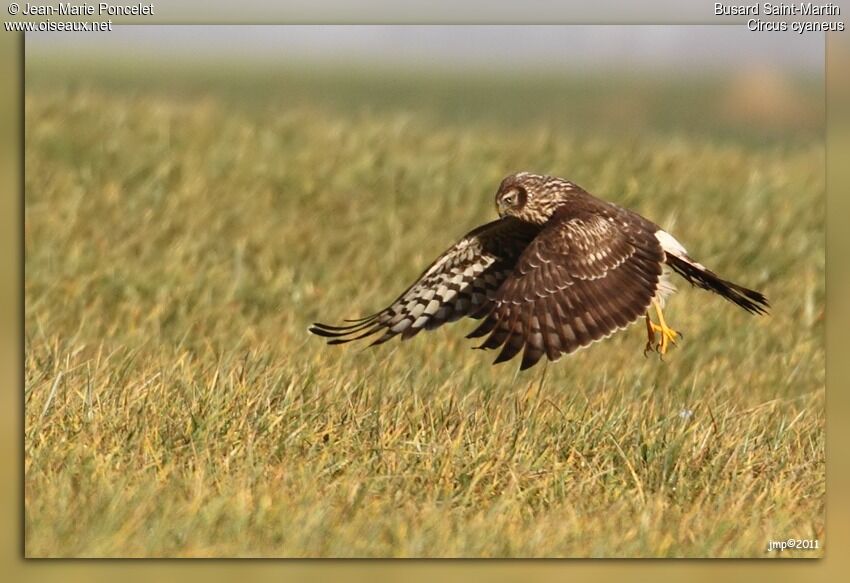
799 9
781 9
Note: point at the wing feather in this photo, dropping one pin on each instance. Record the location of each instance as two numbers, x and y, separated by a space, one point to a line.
461 282
592 270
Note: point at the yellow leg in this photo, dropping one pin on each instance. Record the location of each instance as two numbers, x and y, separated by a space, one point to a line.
668 335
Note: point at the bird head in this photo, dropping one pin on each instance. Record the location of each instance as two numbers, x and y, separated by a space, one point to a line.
531 197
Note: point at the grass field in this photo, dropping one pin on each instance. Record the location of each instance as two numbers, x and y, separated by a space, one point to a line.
183 231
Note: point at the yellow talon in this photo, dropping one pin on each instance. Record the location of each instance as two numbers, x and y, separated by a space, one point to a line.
668 335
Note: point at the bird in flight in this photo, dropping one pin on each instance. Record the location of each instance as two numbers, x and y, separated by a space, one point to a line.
559 270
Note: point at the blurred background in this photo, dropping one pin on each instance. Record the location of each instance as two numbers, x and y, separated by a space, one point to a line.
553 48
716 79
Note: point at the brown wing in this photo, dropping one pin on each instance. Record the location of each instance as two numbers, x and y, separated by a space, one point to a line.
459 283
593 269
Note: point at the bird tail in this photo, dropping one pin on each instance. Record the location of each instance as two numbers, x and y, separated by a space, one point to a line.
752 301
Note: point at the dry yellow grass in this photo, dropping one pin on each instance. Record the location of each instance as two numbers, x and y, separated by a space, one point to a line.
177 248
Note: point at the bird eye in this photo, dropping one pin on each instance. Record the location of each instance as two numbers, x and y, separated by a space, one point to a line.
510 198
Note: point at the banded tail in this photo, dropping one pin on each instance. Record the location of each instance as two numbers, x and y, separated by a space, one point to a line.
752 301
697 274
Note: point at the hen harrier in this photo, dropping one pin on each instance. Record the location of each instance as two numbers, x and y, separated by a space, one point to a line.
560 269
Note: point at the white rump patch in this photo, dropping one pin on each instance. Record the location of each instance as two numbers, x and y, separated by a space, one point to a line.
670 244
673 247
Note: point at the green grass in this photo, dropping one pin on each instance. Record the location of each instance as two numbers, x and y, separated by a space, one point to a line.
179 241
